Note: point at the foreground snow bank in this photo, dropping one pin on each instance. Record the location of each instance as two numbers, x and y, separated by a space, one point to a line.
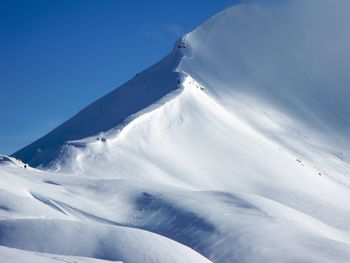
11 255
134 220
95 241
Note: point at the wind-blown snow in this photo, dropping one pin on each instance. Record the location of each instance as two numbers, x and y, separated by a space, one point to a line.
234 148
284 69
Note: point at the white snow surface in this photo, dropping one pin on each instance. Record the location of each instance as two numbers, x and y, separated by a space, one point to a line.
11 255
233 148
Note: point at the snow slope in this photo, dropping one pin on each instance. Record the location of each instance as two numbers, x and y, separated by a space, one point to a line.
58 214
234 148
108 112
284 69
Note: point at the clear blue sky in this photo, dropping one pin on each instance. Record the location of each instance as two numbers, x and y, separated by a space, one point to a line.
57 56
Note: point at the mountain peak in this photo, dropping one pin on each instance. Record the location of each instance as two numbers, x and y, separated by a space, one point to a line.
233 148
108 112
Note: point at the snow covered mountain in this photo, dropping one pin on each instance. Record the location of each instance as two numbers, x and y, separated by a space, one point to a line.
233 148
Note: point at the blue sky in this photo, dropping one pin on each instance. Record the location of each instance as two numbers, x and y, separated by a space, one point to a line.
58 56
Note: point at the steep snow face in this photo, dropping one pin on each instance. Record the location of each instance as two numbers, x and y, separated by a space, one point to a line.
284 69
287 64
108 112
